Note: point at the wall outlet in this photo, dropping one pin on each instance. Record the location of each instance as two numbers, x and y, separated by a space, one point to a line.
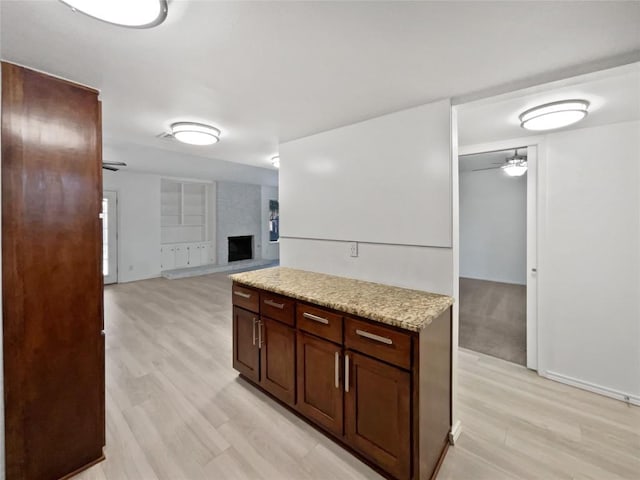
130 268
353 249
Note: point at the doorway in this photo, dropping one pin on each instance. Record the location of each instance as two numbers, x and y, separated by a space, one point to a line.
496 254
110 237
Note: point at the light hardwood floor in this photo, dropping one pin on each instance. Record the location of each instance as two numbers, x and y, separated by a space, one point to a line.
176 409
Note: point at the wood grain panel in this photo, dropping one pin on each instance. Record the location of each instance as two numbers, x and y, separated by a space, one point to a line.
244 297
319 398
278 360
52 275
277 307
397 351
378 413
319 321
246 355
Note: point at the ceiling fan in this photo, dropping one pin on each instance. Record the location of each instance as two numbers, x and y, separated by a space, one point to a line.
514 165
112 165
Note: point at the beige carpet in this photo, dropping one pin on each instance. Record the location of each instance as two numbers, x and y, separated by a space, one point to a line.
493 319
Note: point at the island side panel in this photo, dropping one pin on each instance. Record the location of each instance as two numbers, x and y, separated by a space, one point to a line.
435 392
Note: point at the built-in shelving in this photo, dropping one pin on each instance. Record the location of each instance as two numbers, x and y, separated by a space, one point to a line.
183 207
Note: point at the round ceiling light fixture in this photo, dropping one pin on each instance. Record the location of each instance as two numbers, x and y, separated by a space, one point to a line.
554 115
126 13
195 133
275 161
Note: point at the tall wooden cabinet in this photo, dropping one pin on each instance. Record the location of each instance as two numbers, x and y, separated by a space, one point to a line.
51 275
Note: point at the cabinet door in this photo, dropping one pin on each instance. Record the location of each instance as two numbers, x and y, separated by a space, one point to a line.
205 254
320 395
246 355
277 359
181 257
194 254
377 412
168 255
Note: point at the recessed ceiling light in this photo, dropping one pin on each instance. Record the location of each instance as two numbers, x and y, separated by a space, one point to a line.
195 133
126 13
275 161
554 115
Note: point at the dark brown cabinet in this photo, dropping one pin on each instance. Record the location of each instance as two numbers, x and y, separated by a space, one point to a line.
51 275
382 391
246 352
378 412
320 396
278 359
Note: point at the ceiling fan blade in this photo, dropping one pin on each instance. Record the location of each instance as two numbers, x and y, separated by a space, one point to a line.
489 168
121 164
107 167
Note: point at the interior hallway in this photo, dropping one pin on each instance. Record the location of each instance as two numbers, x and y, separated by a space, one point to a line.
177 411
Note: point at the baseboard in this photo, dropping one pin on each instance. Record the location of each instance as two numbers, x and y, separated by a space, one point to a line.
592 387
455 432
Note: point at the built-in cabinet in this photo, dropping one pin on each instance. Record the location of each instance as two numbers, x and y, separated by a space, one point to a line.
184 224
365 383
182 255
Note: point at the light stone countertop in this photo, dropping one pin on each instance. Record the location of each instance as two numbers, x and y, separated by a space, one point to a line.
401 307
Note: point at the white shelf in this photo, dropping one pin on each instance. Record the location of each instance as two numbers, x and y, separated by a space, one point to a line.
183 210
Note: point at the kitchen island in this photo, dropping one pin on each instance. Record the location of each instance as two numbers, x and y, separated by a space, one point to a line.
368 364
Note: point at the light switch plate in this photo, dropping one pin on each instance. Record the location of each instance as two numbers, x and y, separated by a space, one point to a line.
354 249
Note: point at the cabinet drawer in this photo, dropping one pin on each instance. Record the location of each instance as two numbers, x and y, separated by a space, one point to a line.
246 298
320 322
378 341
277 307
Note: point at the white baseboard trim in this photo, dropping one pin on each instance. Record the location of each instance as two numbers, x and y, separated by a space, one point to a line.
591 387
455 432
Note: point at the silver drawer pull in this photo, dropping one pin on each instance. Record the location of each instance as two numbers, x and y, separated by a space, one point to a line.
373 336
242 294
336 373
274 304
315 318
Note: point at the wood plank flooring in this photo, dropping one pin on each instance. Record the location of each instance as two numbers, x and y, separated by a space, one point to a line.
493 319
177 411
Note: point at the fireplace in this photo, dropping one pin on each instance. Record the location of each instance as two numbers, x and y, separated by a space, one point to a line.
240 248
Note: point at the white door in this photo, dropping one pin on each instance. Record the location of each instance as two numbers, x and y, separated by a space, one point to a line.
194 254
168 255
205 253
110 237
182 256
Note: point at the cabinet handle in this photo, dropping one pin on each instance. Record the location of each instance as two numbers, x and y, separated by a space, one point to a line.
274 304
242 294
346 373
259 334
315 318
373 336
254 332
336 373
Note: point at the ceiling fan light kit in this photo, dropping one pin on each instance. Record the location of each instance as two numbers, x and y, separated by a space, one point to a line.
554 115
124 13
195 133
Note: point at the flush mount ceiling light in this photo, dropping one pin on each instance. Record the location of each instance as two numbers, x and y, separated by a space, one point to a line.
195 133
126 13
554 115
275 161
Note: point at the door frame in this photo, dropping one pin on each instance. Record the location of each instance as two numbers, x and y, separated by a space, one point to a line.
113 238
535 153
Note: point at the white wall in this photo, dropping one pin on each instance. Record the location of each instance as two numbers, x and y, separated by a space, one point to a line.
589 258
386 183
138 223
385 180
270 250
493 226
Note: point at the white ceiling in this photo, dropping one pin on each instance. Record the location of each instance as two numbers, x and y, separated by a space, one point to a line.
267 72
614 96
